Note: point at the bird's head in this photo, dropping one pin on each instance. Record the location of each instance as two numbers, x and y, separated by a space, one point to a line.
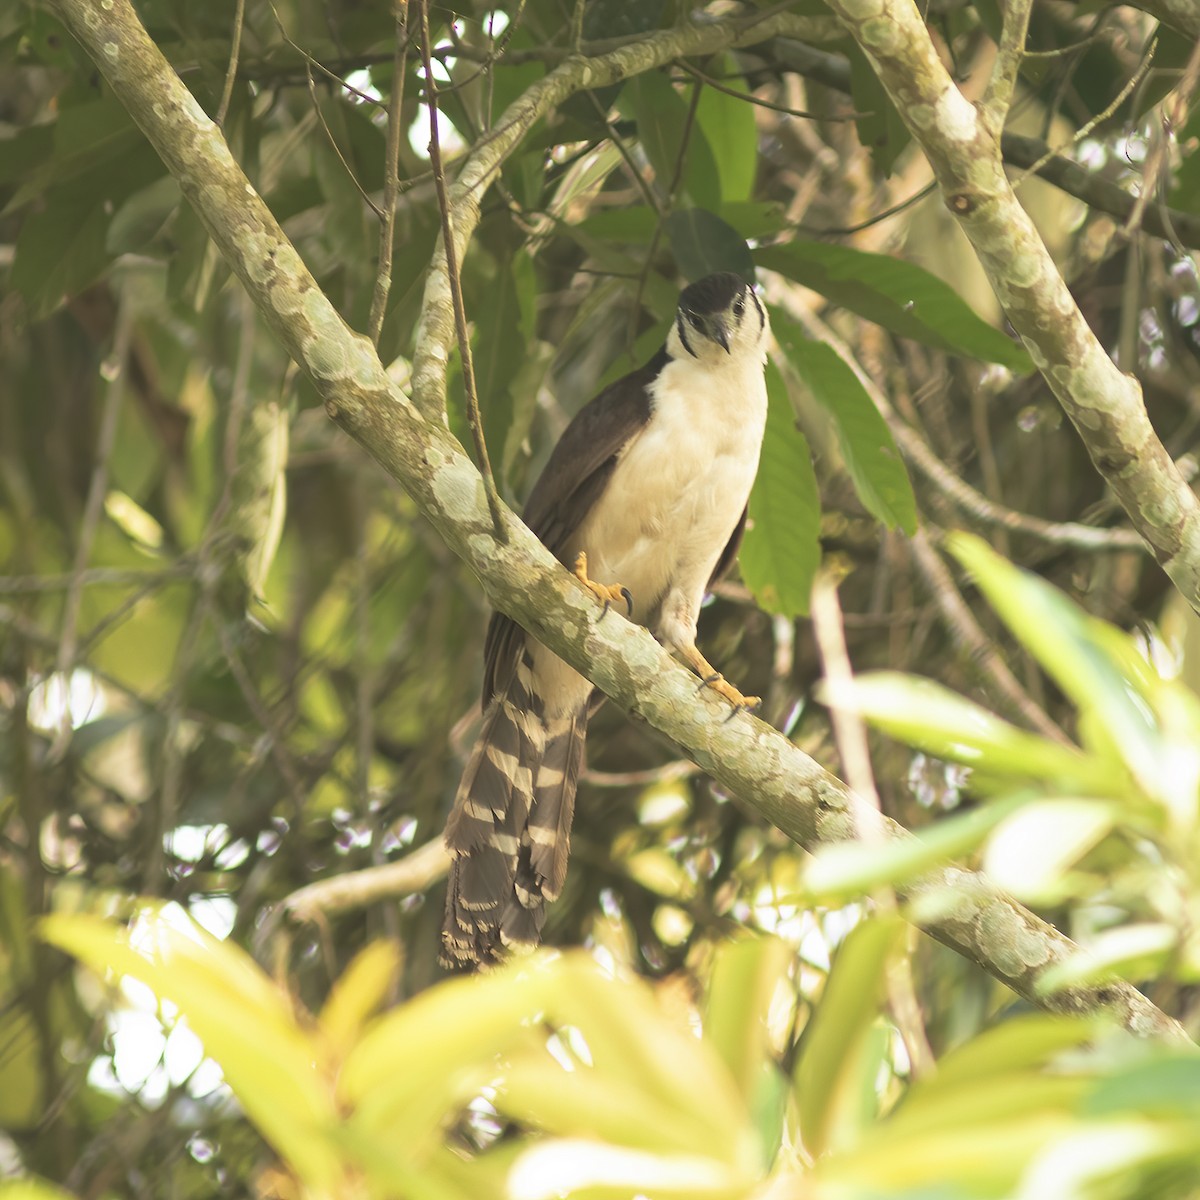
719 317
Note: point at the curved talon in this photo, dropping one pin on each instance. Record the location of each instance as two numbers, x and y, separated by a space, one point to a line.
607 593
710 677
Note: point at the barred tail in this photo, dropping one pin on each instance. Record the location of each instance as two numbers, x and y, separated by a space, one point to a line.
509 832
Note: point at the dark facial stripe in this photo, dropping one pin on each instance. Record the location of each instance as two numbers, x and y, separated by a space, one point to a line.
762 317
683 336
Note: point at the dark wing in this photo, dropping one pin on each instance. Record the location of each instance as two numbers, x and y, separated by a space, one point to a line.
571 482
725 562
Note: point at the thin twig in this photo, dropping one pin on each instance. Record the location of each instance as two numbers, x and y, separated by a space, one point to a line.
24 585
667 773
239 18
850 734
391 177
312 91
341 893
751 98
460 315
1098 119
1156 159
975 504
969 636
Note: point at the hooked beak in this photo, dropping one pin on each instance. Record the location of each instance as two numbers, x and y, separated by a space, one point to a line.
718 332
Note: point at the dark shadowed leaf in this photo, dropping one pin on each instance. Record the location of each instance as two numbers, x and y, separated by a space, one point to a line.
703 243
897 295
880 128
662 121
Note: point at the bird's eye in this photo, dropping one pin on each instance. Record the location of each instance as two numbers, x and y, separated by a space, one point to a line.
739 306
695 320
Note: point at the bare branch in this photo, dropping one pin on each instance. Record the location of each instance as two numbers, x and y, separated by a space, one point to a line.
1104 404
998 97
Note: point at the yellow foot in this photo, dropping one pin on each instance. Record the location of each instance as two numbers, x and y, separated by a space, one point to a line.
608 593
715 680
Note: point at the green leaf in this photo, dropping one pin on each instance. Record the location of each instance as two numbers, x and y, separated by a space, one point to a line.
244 1021
844 871
59 251
897 295
934 719
702 243
1034 849
1130 952
748 218
745 976
1075 651
828 1072
662 121
728 127
498 349
867 445
880 127
32 1189
1169 1087
1015 1045
782 550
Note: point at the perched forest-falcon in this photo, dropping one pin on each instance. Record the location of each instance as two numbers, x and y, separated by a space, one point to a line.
646 491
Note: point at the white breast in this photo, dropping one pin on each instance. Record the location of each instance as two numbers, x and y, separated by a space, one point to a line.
681 485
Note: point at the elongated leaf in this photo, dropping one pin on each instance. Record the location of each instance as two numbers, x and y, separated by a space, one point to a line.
933 718
662 121
358 993
1064 640
245 1023
1129 952
827 1073
1034 849
845 870
745 977
749 218
870 451
880 128
1015 1045
782 549
32 1189
500 348
728 126
702 243
897 295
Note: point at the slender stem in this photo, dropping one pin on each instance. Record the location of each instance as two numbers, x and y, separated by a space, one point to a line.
239 20
391 176
460 315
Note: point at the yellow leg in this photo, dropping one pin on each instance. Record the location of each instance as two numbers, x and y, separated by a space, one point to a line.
608 593
715 680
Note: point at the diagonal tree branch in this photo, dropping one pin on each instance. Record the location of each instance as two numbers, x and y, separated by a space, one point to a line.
519 575
1104 404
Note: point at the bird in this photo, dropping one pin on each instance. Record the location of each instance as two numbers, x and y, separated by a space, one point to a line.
647 491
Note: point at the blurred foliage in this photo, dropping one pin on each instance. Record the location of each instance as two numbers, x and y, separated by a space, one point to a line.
234 659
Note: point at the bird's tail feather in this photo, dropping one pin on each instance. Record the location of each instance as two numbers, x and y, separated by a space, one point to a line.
509 831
